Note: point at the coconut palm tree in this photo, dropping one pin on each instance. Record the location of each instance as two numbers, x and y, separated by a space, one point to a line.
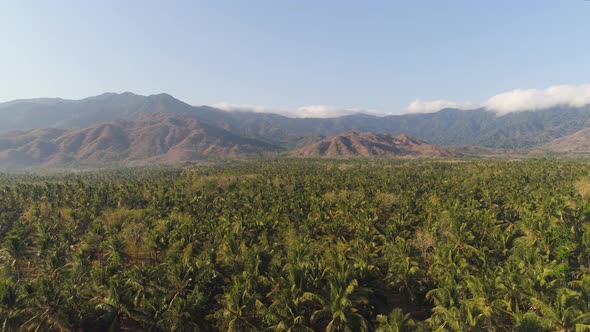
287 311
339 307
240 309
396 321
13 306
14 251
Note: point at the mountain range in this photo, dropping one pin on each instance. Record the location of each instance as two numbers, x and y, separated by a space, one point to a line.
127 127
154 138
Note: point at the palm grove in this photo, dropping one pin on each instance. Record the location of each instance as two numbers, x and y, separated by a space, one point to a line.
293 245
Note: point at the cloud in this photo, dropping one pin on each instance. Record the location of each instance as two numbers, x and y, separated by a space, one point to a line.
229 107
325 111
534 99
310 111
515 101
419 106
507 102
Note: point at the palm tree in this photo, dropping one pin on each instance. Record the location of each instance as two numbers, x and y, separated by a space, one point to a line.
446 315
13 307
566 313
47 307
338 309
179 316
396 321
403 271
111 305
14 251
526 322
286 312
240 312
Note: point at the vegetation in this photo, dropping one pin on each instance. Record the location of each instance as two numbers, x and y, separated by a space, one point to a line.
300 245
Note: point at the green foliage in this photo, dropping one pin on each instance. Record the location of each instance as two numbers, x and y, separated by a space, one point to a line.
299 245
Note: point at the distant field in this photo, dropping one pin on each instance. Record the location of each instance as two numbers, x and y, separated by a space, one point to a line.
299 244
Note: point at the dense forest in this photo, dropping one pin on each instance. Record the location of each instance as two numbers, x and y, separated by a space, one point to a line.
299 245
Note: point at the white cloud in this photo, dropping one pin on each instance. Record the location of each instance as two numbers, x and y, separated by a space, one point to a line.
515 101
419 106
534 99
310 111
326 111
512 101
242 108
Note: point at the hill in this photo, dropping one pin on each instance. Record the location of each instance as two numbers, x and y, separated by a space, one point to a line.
478 127
578 142
353 143
159 138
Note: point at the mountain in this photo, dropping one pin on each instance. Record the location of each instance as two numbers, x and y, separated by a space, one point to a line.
451 127
25 114
576 143
156 137
62 113
354 143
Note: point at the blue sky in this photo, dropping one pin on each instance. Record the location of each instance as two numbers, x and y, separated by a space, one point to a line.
285 55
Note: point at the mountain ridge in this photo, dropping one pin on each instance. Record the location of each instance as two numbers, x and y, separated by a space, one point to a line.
449 127
156 137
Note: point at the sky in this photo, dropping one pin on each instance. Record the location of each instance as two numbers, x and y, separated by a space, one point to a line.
300 57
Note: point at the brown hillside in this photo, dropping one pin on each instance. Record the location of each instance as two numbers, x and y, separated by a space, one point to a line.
159 138
355 143
578 142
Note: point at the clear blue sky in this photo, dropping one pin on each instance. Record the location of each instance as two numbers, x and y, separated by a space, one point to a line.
366 54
